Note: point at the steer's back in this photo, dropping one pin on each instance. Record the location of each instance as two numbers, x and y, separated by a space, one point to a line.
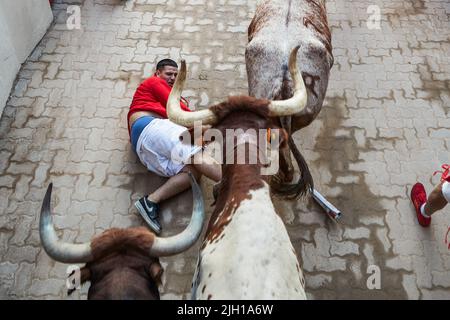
277 27
253 257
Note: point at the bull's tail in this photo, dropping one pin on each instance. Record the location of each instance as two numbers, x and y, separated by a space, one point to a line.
306 183
302 187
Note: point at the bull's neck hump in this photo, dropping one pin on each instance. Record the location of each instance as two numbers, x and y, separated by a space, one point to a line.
236 186
242 178
237 183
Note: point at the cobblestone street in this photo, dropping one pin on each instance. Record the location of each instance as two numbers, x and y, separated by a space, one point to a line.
384 125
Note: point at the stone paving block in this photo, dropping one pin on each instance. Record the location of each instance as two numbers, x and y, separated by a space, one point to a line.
410 284
7 271
47 287
434 294
358 233
21 168
408 247
22 280
317 281
423 272
17 254
382 235
7 181
23 228
344 248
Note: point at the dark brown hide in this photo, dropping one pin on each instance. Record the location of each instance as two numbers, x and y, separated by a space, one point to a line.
122 268
244 105
114 240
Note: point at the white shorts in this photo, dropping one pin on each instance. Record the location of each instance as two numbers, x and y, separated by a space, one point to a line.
159 148
446 191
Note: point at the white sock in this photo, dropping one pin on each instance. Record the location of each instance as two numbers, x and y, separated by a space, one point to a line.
446 191
422 211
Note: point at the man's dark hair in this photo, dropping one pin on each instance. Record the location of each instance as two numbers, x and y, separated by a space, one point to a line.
166 62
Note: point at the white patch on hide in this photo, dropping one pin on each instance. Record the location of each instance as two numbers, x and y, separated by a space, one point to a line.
253 260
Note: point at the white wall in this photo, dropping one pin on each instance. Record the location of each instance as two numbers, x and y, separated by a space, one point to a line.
23 23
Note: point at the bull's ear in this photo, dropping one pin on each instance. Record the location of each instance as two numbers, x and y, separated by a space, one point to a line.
156 272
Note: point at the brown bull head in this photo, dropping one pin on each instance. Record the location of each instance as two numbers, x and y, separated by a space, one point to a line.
121 268
276 109
121 263
207 117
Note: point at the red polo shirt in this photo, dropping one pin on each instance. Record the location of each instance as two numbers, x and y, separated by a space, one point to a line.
152 95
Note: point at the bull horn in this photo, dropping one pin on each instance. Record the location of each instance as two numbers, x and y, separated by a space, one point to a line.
56 249
183 241
178 115
298 101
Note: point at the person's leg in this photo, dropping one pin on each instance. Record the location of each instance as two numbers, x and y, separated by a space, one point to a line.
435 201
174 185
207 166
148 206
202 164
424 206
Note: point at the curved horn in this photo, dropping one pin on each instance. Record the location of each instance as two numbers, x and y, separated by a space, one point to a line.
56 249
298 101
183 241
178 115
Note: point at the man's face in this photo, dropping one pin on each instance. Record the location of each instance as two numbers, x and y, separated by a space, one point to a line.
168 73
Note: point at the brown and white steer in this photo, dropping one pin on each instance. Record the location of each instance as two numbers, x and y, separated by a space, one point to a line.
277 27
121 264
246 252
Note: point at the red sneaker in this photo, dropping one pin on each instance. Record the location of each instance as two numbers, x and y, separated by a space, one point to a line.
418 198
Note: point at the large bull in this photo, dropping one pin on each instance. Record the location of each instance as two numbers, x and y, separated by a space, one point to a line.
121 264
246 252
277 27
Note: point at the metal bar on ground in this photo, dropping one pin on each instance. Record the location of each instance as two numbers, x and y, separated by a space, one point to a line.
333 212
